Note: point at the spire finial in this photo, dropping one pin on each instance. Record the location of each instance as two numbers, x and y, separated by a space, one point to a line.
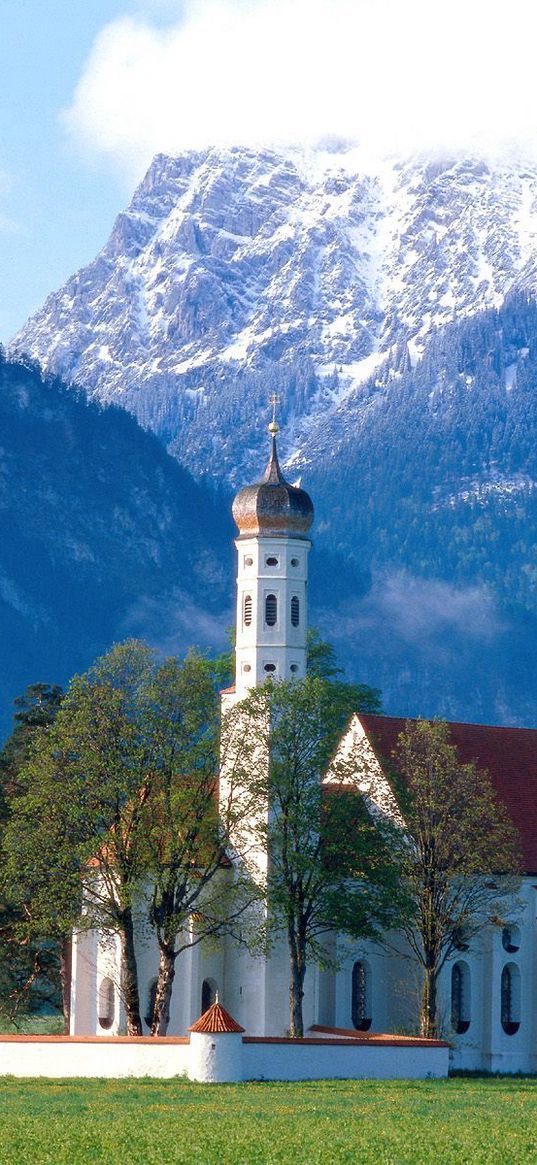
274 426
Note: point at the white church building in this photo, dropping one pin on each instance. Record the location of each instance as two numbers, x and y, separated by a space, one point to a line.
488 990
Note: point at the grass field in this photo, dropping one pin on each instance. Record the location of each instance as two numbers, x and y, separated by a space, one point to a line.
147 1122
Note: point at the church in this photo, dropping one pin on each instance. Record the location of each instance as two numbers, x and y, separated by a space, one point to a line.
488 989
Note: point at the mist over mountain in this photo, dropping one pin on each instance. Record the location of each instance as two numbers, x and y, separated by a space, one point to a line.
393 311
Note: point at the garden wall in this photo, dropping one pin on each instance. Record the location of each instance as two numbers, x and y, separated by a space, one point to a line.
314 1058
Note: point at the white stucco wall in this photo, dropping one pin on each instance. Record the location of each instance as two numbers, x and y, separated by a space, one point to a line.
103 1058
216 1058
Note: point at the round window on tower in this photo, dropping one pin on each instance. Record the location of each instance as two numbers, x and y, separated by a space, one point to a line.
294 668
270 667
246 667
295 562
248 561
272 561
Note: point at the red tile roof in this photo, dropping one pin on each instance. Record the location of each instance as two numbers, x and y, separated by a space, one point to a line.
216 1019
508 754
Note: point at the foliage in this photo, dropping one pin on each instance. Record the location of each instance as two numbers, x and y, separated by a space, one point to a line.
328 867
322 664
30 952
185 826
338 1122
459 855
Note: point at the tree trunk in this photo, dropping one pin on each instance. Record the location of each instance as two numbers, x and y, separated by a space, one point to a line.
163 994
428 1018
65 981
129 976
296 984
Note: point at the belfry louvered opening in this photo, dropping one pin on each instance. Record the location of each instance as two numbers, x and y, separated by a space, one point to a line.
271 610
247 610
295 611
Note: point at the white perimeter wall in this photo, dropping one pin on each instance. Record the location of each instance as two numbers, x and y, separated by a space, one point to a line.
163 1059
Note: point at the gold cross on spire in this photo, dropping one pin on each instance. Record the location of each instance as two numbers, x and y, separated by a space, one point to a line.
274 401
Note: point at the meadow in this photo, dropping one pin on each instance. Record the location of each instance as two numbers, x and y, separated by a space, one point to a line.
147 1122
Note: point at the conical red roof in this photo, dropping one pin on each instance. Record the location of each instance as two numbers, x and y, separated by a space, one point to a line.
216 1019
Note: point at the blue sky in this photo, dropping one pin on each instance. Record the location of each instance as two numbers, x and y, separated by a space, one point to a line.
55 209
91 89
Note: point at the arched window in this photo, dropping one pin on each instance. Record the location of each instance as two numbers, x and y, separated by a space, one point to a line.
151 996
247 610
295 611
511 939
271 610
460 998
510 999
209 992
106 1003
361 996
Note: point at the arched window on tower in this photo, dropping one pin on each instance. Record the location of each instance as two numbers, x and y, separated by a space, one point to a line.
247 610
460 998
361 996
295 611
510 999
271 610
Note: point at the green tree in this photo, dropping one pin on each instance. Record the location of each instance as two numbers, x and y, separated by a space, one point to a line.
186 826
329 867
82 812
35 964
459 856
322 663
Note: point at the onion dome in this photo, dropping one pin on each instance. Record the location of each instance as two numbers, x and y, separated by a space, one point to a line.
272 507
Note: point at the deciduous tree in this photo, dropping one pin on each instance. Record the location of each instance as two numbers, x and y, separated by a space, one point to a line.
459 855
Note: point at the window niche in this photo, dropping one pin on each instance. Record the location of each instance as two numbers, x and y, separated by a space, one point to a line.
106 1003
271 610
510 999
460 998
361 996
209 991
247 610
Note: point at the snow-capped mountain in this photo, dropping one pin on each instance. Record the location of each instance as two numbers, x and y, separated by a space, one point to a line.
394 310
236 272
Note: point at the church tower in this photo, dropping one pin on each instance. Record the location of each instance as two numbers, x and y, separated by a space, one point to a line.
274 520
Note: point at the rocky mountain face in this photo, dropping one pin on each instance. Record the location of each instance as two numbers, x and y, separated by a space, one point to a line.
235 272
392 308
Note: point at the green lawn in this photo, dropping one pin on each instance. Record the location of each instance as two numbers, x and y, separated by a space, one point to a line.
147 1122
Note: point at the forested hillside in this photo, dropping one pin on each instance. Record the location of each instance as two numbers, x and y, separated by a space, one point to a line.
102 535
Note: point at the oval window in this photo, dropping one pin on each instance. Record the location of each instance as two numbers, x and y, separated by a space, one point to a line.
294 667
247 610
270 667
295 562
271 610
271 561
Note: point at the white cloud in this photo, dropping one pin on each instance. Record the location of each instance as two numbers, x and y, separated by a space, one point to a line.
398 75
